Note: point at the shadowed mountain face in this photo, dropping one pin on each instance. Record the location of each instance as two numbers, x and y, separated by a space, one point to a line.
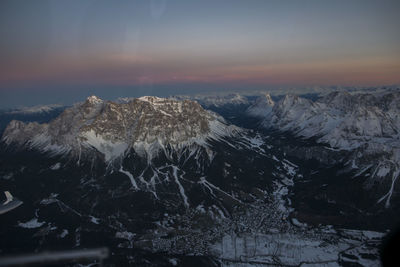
160 180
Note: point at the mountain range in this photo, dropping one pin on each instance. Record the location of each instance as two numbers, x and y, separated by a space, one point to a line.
367 126
213 181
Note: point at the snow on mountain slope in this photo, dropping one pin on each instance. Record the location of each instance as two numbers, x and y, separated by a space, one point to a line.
146 124
365 125
35 109
342 120
217 100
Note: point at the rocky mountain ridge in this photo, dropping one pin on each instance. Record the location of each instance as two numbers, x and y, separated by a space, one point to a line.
216 100
367 126
40 109
146 124
262 106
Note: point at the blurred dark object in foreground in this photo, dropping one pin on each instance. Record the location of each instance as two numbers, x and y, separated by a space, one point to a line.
390 250
60 257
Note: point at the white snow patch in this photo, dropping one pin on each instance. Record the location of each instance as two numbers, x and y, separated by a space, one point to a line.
173 261
51 199
388 195
383 171
110 149
94 220
33 223
209 185
298 223
133 182
181 189
56 166
290 169
64 233
201 209
35 109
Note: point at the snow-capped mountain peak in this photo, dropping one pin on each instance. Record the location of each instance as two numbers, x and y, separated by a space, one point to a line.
291 100
151 99
268 99
94 100
147 125
340 119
